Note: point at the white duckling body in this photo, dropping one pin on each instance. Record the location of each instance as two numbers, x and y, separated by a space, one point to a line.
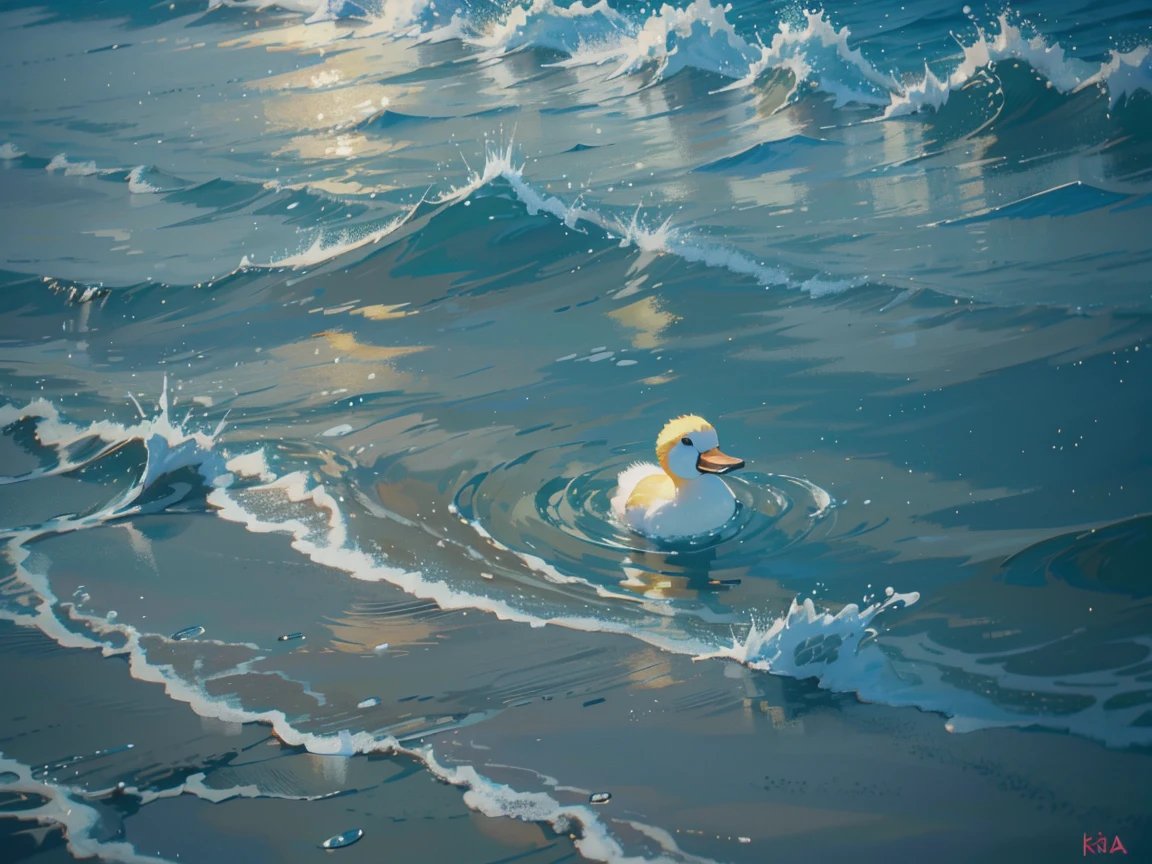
683 495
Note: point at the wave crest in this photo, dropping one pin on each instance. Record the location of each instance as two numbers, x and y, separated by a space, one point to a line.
1121 75
811 49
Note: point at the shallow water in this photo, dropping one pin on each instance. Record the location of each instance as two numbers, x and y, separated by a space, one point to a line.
341 322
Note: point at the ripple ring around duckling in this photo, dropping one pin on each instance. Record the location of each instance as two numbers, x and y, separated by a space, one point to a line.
550 505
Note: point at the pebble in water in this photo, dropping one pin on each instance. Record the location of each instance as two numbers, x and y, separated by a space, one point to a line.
341 840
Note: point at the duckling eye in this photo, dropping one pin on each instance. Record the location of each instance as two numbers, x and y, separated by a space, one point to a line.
687 441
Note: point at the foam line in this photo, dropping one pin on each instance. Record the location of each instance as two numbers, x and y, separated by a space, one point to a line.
64 808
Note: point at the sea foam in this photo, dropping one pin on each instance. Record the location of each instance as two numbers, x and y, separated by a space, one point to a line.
807 46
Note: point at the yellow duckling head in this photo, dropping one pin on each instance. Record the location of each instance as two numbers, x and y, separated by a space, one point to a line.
688 447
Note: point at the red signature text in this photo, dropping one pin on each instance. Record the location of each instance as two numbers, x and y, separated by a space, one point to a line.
1101 845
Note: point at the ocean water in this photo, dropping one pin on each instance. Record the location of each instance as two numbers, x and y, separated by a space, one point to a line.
326 327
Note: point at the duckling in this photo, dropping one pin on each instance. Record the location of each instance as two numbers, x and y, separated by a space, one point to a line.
683 495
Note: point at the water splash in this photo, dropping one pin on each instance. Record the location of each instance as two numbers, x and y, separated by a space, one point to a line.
1121 75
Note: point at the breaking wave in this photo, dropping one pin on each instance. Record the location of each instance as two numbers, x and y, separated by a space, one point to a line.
660 238
1121 75
807 46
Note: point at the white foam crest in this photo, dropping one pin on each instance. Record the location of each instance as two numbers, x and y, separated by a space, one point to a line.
328 245
773 647
334 10
168 444
596 842
813 50
64 808
929 92
650 239
545 24
383 17
698 36
818 53
9 150
1052 61
168 447
137 184
60 162
1122 74
911 672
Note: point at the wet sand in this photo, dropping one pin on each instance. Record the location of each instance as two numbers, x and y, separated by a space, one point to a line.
709 752
76 703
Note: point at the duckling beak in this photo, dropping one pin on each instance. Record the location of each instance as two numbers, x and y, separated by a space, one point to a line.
714 462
